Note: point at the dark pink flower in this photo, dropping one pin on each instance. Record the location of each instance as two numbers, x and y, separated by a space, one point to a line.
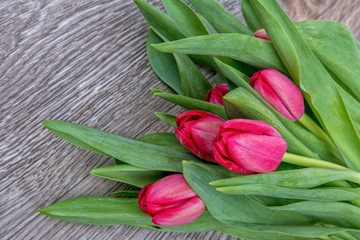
249 146
196 131
280 92
170 201
216 94
261 33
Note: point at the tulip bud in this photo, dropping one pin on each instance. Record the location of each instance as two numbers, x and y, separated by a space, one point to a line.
249 146
216 94
261 33
196 131
170 201
280 92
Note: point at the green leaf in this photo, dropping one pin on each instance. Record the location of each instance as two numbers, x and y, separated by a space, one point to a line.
136 176
223 207
242 212
163 139
318 194
336 47
99 211
168 73
165 28
132 193
339 213
240 103
130 151
168 118
305 69
319 147
250 16
299 178
209 27
191 104
219 17
159 20
193 82
185 18
251 50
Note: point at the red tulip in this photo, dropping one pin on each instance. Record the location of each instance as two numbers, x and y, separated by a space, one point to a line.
280 92
249 146
196 131
261 34
216 94
170 201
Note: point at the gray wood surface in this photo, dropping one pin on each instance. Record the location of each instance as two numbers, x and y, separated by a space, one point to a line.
84 62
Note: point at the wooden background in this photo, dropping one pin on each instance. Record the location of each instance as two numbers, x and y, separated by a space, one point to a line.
84 62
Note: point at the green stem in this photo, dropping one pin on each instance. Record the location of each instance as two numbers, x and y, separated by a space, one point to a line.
310 162
310 125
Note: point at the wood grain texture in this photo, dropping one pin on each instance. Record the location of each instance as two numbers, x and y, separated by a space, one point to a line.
84 62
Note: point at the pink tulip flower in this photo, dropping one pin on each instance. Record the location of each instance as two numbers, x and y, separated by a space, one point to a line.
280 92
249 146
196 131
216 94
170 201
261 34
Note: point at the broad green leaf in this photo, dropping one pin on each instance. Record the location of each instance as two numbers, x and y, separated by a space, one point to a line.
317 194
244 48
219 17
193 82
168 118
240 103
243 212
319 147
191 104
353 107
168 72
99 211
336 47
127 150
339 213
132 193
115 211
159 20
136 176
222 206
209 27
185 18
165 28
163 139
250 16
77 142
299 178
306 70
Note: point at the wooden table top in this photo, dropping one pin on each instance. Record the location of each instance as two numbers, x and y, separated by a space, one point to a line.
84 62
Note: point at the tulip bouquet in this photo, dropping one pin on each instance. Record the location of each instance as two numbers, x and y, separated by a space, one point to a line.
271 152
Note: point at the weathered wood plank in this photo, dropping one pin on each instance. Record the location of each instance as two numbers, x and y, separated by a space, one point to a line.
83 62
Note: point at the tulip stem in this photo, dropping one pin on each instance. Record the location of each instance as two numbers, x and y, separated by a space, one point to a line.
310 162
313 127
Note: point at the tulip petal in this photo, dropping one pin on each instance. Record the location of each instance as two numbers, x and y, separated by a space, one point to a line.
271 97
169 189
204 131
248 125
184 213
258 153
261 33
287 91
